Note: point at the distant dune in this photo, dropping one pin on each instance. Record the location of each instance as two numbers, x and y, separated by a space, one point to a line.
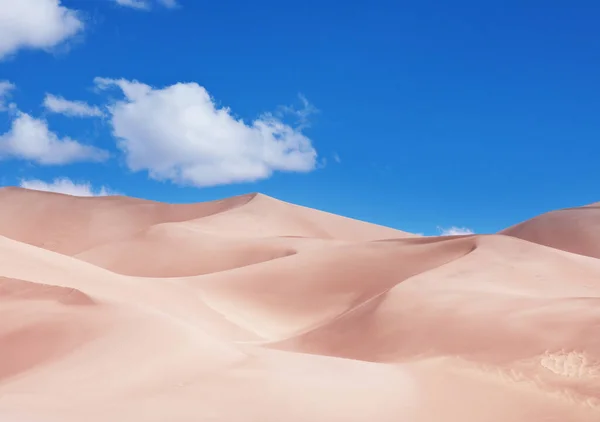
254 309
574 230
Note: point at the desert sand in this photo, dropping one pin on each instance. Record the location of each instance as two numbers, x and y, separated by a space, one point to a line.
254 309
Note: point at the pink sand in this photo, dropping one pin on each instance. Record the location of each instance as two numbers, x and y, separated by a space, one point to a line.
253 309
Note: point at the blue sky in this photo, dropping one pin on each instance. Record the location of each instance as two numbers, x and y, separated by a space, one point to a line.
416 115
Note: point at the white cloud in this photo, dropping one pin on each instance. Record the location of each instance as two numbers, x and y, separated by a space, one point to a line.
30 139
136 4
455 231
66 186
302 114
60 105
177 133
35 24
146 4
337 158
5 88
168 3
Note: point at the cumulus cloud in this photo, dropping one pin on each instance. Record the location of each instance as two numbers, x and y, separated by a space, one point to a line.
70 108
146 4
66 186
35 24
31 139
178 133
455 231
5 88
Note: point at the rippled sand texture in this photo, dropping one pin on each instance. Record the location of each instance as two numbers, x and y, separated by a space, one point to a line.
253 309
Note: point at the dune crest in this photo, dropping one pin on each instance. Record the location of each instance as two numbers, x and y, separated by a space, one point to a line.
253 309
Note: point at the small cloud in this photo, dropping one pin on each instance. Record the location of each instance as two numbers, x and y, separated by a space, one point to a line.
60 105
169 3
36 24
455 231
302 114
66 186
322 163
337 158
31 139
5 89
146 4
134 4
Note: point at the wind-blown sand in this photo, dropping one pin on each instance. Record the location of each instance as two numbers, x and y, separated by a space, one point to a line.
253 309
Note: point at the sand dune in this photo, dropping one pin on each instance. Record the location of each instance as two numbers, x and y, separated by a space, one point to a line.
183 249
175 249
277 300
70 225
264 216
574 230
253 309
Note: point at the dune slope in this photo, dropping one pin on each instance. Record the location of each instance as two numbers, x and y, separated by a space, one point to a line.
253 309
574 230
70 225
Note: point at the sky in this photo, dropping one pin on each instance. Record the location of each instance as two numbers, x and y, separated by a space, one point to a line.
432 117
